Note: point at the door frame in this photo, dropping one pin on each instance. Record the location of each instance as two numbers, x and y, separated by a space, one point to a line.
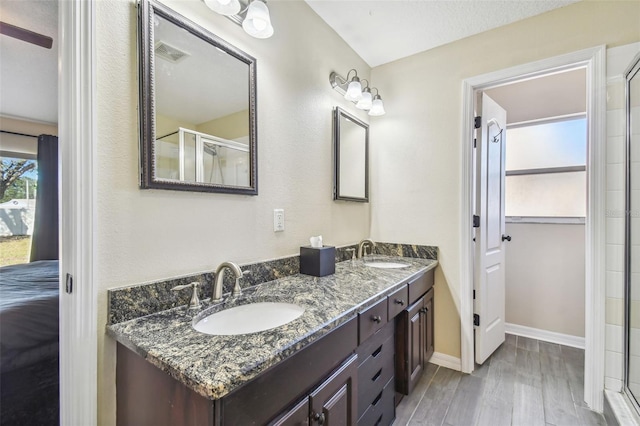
594 61
77 141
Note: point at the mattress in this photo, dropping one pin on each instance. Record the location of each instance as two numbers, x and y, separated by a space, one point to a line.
28 313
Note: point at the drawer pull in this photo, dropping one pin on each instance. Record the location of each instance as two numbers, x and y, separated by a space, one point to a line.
377 352
398 302
377 375
377 319
378 398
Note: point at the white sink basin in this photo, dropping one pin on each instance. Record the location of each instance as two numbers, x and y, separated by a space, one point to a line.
249 318
386 265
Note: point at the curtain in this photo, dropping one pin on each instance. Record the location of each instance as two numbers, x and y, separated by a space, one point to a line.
44 243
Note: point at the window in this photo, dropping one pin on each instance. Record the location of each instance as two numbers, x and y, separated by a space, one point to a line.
546 169
18 183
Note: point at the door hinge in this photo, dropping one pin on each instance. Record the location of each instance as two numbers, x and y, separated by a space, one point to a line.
476 221
474 295
475 141
476 320
477 122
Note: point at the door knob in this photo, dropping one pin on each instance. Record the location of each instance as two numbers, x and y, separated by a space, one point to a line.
506 237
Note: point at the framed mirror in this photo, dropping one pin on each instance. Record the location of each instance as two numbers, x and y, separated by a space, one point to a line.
198 129
351 144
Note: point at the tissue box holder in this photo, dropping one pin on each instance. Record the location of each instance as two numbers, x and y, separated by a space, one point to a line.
319 261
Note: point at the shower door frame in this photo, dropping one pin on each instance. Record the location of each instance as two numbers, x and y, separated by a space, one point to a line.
632 70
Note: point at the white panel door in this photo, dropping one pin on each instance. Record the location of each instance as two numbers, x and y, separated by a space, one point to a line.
489 280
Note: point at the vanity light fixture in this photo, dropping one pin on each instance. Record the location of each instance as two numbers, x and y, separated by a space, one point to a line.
377 108
366 99
224 7
252 15
353 91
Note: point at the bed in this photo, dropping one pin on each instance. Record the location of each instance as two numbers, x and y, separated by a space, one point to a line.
29 347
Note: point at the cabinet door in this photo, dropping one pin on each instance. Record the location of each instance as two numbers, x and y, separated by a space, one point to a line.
429 316
334 402
410 347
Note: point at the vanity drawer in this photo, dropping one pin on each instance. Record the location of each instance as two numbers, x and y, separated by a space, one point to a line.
420 285
371 320
374 373
372 344
381 412
398 301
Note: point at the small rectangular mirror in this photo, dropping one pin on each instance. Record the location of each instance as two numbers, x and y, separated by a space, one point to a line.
351 144
197 107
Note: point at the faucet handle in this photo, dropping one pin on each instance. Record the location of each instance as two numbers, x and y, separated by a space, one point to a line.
237 290
194 303
353 253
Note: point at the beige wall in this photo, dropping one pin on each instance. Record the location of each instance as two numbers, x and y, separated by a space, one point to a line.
545 277
415 147
232 126
153 234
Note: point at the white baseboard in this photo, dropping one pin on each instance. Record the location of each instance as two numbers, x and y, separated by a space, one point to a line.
545 335
444 360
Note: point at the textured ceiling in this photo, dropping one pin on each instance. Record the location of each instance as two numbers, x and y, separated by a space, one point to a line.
29 73
383 31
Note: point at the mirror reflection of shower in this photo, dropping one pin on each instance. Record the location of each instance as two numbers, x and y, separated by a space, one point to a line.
190 156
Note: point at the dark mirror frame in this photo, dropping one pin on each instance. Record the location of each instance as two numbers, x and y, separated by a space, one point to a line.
337 113
147 9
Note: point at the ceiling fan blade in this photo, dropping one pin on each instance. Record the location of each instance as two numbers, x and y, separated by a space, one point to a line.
25 35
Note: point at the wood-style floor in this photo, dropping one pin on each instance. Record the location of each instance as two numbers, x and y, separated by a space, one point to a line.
525 382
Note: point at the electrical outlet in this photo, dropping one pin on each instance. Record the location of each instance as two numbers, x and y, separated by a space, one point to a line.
278 220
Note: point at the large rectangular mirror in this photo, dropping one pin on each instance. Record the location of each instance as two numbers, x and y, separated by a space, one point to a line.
351 144
197 107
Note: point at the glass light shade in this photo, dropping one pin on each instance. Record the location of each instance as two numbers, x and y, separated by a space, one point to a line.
377 108
365 102
354 91
224 7
257 23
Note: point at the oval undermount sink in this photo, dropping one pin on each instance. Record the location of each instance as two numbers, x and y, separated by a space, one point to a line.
249 318
386 265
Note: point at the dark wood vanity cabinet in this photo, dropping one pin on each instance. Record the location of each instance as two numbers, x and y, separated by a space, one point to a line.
350 376
414 334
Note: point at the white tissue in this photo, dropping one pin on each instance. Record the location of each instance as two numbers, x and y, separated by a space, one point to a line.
316 242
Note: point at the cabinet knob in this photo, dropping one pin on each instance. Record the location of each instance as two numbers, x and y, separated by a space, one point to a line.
398 302
319 417
377 319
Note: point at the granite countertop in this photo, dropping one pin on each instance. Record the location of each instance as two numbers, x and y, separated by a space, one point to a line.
214 366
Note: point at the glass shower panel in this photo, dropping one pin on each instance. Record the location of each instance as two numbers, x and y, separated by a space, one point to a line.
632 269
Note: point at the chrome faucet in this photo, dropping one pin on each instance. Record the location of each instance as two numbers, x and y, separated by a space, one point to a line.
362 244
217 286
